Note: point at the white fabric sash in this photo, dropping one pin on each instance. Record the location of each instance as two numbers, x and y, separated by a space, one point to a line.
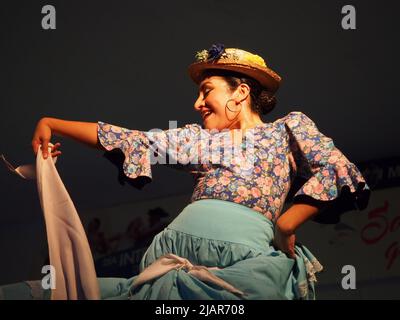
69 251
171 261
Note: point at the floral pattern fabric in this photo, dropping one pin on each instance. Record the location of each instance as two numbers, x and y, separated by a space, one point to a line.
257 173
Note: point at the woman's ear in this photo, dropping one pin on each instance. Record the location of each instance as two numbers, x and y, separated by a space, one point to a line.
242 92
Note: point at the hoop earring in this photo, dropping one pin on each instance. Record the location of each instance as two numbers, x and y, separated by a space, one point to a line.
227 106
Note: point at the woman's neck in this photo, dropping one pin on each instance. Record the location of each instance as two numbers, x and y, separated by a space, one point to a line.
238 129
246 122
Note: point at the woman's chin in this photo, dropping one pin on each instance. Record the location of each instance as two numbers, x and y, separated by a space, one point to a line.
208 125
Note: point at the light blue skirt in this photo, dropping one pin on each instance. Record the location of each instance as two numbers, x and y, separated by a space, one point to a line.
214 233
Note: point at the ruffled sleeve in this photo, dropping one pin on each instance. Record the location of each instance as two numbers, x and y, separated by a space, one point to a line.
142 149
327 174
133 144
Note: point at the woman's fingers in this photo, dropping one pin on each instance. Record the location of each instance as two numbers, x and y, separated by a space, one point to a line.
55 154
45 146
56 146
54 149
289 251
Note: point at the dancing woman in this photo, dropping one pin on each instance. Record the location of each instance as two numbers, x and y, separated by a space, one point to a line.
233 241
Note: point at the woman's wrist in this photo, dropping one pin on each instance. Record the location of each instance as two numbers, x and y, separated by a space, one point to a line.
46 121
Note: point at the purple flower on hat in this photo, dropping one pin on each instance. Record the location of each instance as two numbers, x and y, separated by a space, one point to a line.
216 51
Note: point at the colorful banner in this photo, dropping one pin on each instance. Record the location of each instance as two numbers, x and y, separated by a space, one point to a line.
368 240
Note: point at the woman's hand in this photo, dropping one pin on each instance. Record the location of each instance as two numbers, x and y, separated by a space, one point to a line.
284 240
42 136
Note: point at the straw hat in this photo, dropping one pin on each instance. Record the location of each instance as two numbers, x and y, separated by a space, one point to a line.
233 59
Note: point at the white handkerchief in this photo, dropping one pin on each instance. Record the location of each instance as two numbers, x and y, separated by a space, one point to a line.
69 250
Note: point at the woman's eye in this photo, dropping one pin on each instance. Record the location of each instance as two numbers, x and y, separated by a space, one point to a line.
206 93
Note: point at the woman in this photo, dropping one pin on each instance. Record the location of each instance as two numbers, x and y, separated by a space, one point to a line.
232 241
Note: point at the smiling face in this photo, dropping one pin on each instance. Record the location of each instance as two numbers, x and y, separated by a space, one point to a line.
214 92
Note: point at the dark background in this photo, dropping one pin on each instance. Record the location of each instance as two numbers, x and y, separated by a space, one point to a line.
125 62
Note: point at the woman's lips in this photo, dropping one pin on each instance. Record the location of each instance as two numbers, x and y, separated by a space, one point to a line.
206 114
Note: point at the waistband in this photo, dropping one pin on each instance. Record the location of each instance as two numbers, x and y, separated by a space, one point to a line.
224 221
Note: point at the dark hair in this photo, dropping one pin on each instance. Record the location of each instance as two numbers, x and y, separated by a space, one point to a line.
262 100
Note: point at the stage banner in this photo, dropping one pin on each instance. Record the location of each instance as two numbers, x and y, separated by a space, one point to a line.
367 240
382 173
120 235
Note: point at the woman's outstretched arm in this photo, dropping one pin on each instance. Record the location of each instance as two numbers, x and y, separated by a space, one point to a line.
84 132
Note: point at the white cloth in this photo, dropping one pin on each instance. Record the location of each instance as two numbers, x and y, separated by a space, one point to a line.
171 261
69 250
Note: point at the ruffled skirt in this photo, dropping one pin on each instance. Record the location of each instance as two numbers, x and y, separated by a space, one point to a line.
235 244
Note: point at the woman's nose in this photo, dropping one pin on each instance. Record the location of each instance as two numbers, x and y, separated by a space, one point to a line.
199 103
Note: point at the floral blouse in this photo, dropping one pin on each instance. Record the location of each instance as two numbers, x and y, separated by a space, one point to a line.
257 173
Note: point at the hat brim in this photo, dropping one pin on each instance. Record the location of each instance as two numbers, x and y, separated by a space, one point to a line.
265 76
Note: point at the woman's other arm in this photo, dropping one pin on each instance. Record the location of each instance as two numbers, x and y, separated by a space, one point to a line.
295 216
289 222
84 132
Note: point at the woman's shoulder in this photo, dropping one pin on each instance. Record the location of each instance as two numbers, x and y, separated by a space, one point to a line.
294 120
294 117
